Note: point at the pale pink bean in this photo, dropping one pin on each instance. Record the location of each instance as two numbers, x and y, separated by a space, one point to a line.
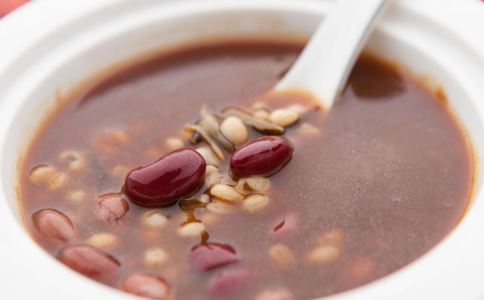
90 262
111 207
208 256
274 294
148 286
228 282
53 225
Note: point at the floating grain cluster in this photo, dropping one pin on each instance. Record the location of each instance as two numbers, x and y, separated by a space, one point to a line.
215 137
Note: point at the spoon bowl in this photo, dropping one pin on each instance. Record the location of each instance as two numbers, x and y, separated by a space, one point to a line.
327 60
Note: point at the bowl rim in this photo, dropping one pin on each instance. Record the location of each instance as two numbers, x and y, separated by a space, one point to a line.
466 16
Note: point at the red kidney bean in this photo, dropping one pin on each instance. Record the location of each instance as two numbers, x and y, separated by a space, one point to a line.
285 225
208 256
145 285
227 282
162 183
53 224
111 207
263 156
90 262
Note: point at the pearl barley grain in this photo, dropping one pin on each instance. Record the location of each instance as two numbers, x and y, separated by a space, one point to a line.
40 175
282 255
226 192
57 181
323 254
174 143
211 169
110 140
155 257
212 178
284 117
75 160
219 207
259 105
205 199
154 219
76 196
234 130
258 183
102 240
307 129
192 229
209 218
298 108
333 237
261 114
208 156
255 202
119 171
253 184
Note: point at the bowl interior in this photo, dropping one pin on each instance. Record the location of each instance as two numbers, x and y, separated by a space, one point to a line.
90 45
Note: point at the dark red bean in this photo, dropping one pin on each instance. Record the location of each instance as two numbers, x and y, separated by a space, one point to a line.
111 207
208 256
228 282
90 262
284 225
177 174
148 286
264 156
53 224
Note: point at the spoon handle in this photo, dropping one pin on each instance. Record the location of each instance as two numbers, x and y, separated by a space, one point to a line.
326 62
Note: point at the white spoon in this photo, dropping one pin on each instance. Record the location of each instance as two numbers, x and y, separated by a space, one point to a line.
326 62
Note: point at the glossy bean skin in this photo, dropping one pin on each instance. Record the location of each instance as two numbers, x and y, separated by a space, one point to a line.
53 225
90 262
208 256
177 174
148 286
264 156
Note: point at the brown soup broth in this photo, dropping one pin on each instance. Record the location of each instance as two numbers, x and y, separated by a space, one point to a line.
387 176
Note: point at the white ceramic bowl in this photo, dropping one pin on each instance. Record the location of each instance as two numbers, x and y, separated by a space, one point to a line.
48 47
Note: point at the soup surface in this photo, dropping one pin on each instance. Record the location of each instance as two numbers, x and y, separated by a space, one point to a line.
371 186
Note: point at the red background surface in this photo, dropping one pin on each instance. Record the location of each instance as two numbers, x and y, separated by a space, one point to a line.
7 6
